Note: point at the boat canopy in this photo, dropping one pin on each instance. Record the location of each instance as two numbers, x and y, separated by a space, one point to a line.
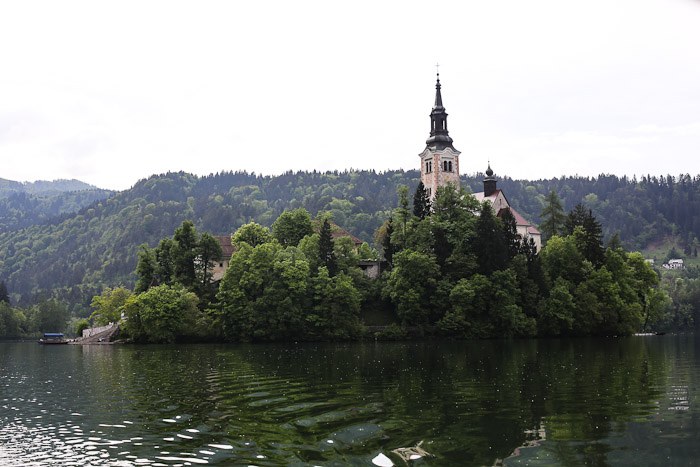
53 335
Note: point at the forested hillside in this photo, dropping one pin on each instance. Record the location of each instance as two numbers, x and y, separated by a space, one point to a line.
76 256
8 187
26 204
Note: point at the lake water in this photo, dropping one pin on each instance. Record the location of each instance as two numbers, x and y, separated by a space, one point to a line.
624 401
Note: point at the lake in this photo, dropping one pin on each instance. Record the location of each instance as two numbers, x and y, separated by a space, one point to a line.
524 402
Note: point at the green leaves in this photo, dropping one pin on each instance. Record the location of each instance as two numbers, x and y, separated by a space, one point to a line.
161 314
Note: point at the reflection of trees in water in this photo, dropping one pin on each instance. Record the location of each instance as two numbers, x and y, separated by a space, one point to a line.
471 401
477 399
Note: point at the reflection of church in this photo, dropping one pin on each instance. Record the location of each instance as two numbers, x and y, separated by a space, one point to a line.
440 166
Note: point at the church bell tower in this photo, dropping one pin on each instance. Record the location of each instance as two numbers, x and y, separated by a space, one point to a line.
439 159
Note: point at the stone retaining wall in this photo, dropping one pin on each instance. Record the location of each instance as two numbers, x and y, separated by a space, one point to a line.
93 331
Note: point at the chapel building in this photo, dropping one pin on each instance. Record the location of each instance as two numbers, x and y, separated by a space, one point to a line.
440 166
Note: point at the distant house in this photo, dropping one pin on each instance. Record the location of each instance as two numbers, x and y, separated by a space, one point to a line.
674 264
339 232
227 250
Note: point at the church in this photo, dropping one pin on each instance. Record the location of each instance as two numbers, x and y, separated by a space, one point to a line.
440 166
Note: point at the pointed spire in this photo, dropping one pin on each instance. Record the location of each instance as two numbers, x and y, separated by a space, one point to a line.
438 94
439 136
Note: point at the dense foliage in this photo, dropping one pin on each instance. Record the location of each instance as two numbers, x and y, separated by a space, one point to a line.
465 271
26 204
458 271
75 256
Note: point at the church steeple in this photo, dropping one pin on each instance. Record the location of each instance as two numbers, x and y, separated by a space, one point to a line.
439 136
439 159
489 182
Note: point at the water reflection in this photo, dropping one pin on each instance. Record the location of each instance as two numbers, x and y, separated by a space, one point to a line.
531 402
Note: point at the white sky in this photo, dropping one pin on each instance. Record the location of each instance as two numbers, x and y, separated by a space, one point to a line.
112 92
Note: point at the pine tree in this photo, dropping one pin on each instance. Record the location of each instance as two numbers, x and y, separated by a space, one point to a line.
326 250
592 241
185 250
490 245
146 269
387 246
575 218
553 217
510 233
421 202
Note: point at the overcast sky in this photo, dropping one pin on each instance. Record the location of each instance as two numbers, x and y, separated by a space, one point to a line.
110 93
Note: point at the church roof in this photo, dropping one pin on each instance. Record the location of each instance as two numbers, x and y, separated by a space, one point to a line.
519 219
480 196
439 136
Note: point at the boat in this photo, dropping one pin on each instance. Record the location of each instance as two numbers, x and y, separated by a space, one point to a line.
52 338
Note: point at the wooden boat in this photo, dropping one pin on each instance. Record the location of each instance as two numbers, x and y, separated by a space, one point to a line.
53 338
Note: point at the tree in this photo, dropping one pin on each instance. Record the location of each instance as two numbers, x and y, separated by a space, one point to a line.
453 225
162 314
511 237
561 257
387 245
490 245
185 255
421 202
146 269
553 217
556 310
50 316
109 305
165 261
4 296
264 293
326 250
336 306
12 321
402 215
411 284
253 234
291 226
80 326
487 307
590 238
208 251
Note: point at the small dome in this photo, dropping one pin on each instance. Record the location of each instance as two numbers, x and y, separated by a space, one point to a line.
489 172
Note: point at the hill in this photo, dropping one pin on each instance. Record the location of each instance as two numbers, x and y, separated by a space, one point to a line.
9 187
26 204
74 256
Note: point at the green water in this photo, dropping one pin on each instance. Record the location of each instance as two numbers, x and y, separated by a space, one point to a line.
533 402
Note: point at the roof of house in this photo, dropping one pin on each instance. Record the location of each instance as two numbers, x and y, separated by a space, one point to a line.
339 232
519 219
227 248
480 196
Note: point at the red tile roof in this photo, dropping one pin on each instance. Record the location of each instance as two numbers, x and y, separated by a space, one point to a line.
227 248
